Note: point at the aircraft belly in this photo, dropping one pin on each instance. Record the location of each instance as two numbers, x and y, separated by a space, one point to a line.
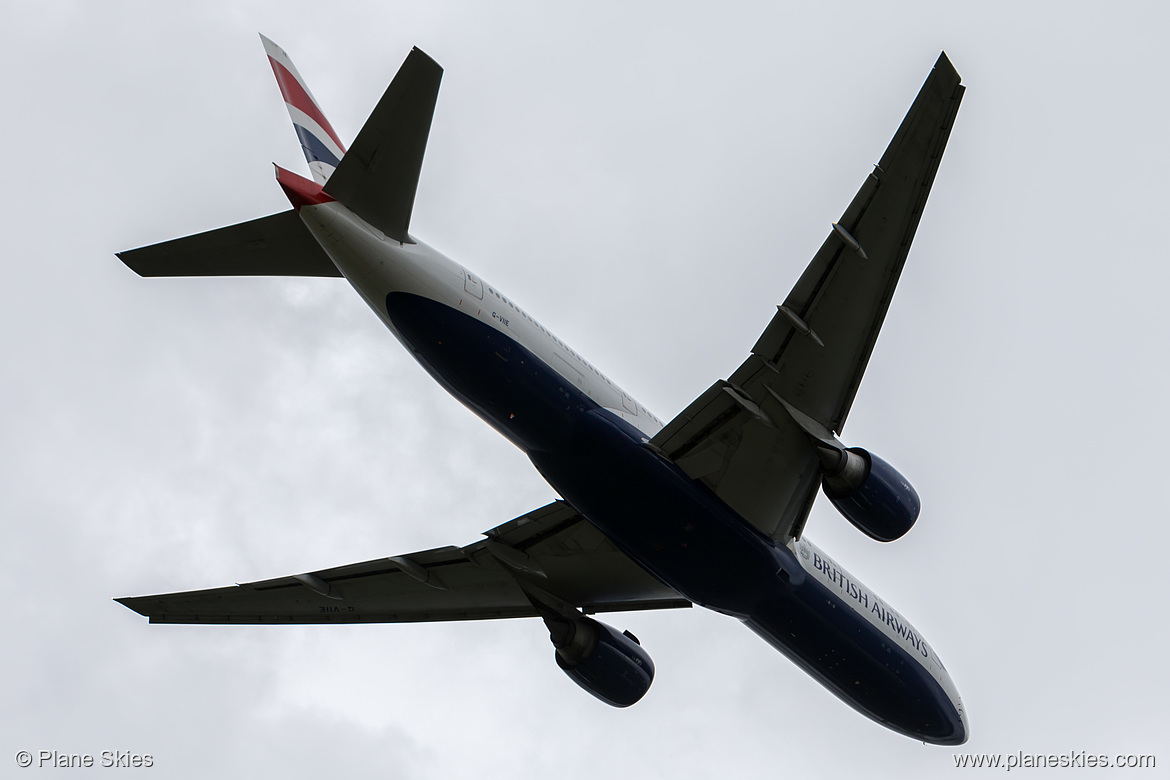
595 459
679 531
500 380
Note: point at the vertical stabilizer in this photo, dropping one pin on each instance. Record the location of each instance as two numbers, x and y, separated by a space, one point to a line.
323 149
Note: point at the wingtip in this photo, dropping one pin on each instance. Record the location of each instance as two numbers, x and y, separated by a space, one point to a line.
126 256
128 603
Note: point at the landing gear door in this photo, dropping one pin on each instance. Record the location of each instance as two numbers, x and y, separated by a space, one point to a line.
472 284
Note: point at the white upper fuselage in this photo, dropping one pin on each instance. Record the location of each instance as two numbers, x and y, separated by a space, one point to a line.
377 265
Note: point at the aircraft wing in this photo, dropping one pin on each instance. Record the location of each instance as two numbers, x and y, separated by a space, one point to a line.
552 550
747 437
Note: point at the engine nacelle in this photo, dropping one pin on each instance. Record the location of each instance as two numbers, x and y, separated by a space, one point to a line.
871 494
610 665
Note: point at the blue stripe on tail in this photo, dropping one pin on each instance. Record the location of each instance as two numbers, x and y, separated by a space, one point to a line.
315 151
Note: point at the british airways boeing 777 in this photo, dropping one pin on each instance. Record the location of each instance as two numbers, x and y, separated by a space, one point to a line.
707 509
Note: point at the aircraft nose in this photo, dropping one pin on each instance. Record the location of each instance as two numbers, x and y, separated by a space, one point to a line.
941 724
955 732
955 729
963 731
939 717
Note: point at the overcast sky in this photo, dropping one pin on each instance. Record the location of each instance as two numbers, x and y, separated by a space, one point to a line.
648 180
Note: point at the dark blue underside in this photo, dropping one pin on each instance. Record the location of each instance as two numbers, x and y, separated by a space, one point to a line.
671 525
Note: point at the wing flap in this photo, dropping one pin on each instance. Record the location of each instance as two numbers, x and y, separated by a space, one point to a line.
276 245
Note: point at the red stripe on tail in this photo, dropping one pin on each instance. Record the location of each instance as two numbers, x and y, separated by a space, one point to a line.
295 95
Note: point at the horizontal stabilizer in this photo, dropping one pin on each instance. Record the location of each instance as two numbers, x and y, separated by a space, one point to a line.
378 176
277 245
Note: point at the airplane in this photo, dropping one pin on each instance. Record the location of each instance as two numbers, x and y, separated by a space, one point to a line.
708 509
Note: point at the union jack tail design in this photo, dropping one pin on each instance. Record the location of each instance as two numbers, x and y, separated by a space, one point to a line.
323 149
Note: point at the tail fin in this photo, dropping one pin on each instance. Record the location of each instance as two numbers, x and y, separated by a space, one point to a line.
323 149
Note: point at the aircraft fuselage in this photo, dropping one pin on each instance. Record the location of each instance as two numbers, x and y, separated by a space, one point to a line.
590 441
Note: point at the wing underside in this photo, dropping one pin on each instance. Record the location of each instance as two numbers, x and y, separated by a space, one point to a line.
749 438
843 295
551 550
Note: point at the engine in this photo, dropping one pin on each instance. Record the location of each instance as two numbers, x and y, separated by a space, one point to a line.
610 665
870 493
